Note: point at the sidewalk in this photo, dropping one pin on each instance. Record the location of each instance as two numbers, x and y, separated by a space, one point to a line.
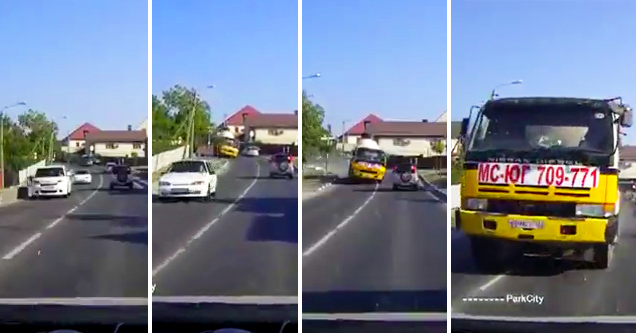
435 179
9 195
313 185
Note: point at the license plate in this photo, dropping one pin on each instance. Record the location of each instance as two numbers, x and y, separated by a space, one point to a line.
524 224
574 176
48 187
179 190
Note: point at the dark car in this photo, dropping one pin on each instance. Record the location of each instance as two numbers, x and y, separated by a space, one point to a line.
121 177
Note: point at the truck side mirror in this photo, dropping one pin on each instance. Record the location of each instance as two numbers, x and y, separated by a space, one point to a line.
464 130
626 119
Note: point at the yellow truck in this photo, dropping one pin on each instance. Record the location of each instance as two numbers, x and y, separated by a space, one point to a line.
226 145
541 178
368 162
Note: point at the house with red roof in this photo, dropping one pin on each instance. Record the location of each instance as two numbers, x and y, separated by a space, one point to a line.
265 128
88 138
76 140
403 138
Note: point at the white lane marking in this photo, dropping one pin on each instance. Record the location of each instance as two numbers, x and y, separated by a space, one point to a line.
330 234
21 247
70 211
205 228
491 282
32 239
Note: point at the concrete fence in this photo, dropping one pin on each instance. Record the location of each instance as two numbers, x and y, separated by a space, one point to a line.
164 159
29 171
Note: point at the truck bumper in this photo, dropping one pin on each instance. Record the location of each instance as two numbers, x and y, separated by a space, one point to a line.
559 232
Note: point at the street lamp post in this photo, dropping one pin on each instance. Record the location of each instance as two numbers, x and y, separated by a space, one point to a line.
493 94
2 178
312 76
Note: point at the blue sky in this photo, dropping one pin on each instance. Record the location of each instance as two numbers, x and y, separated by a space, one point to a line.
86 60
558 48
248 49
375 56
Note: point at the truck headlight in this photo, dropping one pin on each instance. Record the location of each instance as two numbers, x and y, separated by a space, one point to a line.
594 210
199 182
476 204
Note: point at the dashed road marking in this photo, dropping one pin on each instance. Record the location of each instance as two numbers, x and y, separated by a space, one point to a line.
342 224
14 252
206 227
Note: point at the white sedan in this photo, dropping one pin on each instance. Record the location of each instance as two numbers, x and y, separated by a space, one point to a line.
194 178
82 177
251 151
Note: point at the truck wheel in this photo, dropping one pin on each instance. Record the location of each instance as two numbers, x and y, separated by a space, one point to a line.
602 255
485 254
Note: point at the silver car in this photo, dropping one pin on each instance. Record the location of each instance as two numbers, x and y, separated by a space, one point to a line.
281 165
405 176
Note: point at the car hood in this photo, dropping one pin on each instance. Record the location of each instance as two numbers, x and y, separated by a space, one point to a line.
183 177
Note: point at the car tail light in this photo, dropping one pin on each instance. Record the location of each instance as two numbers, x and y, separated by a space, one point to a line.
289 159
413 169
395 168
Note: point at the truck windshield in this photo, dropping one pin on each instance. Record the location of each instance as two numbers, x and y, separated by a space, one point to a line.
228 142
543 126
370 155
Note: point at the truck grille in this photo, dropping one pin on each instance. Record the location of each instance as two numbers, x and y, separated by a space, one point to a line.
541 208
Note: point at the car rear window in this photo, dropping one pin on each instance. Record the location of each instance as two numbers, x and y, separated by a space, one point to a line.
82 172
120 168
280 158
404 167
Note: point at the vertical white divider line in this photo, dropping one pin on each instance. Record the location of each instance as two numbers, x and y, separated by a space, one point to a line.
449 117
149 133
300 158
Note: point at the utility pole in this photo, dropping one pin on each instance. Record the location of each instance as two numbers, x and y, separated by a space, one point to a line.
190 132
50 151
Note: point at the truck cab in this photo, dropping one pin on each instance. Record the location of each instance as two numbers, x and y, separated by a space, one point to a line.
368 161
541 178
226 145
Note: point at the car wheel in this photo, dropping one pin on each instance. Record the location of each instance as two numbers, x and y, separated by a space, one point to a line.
209 195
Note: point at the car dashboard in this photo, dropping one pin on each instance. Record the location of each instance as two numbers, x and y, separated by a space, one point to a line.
202 316
64 317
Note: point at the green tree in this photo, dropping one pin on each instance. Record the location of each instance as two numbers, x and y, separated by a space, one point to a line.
313 130
26 141
170 116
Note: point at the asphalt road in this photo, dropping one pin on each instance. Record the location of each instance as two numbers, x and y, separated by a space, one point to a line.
245 243
92 244
568 288
374 250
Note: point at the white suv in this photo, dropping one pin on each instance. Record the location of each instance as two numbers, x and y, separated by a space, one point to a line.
192 178
405 176
51 181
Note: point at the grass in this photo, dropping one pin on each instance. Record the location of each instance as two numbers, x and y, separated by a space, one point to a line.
456 175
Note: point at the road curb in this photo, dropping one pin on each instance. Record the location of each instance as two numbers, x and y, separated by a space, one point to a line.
325 185
439 194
